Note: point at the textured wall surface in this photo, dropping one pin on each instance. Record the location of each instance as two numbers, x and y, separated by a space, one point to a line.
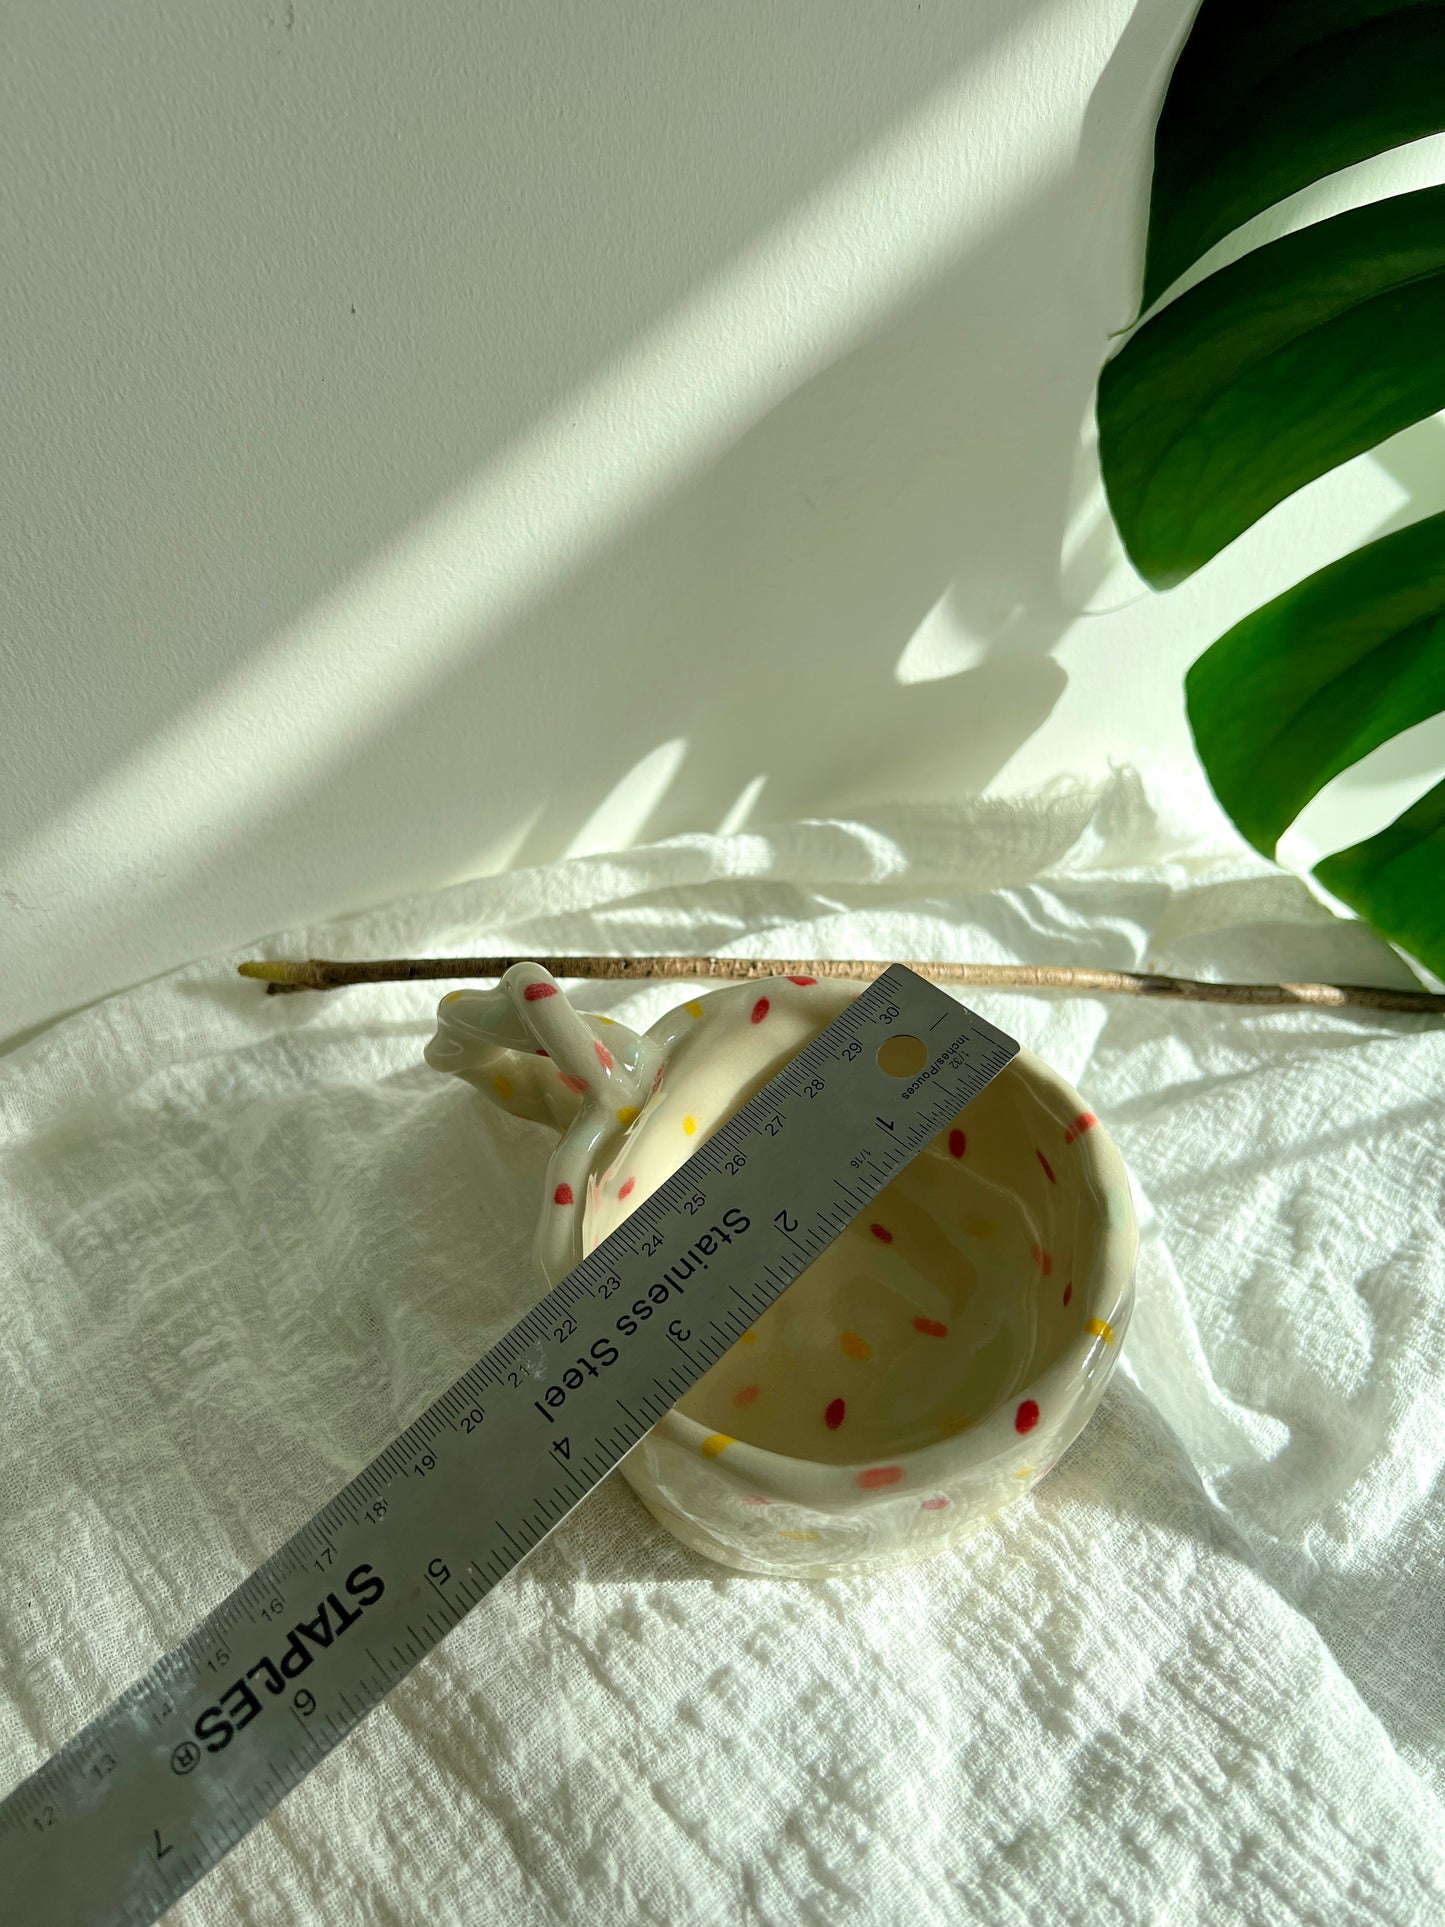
442 437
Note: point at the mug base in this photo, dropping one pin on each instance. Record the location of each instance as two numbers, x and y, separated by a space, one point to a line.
801 1557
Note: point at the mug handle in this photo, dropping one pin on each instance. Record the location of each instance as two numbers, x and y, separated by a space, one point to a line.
526 1048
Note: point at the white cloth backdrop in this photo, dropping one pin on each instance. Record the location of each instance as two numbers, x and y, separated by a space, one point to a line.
1200 1675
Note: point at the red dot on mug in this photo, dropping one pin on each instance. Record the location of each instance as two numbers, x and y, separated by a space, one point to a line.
934 1505
534 991
563 1194
760 1010
802 980
833 1417
930 1328
624 1189
1027 1416
881 1233
877 1475
957 1143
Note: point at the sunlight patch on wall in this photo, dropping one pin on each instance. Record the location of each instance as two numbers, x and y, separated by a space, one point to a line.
621 818
941 645
742 809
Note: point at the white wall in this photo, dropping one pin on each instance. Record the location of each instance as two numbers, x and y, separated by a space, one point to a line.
442 437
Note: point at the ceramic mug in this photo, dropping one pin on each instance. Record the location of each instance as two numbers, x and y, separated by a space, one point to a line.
929 1366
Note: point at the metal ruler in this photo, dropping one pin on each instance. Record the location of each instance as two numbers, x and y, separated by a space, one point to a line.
136 1808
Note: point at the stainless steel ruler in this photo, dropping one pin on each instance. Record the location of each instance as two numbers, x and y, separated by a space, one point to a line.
152 1793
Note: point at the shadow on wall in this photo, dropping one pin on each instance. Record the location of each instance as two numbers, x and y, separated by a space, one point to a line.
926 474
293 306
916 490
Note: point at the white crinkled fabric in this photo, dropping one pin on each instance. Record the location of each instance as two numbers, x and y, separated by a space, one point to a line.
1196 1676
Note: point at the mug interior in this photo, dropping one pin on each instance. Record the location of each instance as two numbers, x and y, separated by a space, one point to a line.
948 1296
982 1270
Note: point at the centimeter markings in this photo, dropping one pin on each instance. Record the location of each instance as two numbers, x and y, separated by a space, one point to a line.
153 1792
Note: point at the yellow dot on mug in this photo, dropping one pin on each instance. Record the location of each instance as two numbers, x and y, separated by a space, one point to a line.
785 1534
855 1346
748 1338
606 1020
1024 1473
628 1114
1100 1328
689 1124
693 1009
502 1086
715 1443
451 997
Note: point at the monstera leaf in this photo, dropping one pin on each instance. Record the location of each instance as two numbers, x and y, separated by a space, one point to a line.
1270 373
1267 374
1312 682
1266 98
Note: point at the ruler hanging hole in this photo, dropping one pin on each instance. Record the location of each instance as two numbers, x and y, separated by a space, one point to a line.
902 1056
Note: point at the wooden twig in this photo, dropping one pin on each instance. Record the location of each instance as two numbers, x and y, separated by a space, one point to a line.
323 973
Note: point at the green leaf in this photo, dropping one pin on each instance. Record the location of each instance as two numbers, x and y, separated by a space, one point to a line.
1316 679
1396 880
1270 373
1305 353
1265 99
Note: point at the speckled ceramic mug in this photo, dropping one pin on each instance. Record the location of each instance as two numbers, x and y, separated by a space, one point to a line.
926 1369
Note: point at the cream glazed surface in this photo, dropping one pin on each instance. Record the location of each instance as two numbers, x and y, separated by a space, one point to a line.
931 1362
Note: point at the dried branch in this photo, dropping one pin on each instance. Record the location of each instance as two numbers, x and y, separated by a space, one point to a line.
322 973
